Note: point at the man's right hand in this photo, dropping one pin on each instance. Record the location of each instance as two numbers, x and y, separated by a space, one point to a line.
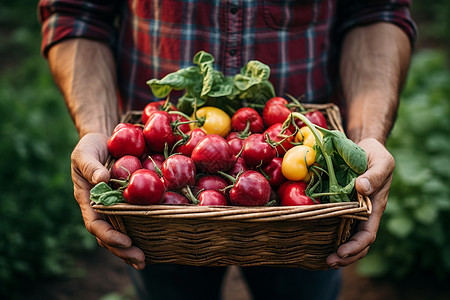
88 170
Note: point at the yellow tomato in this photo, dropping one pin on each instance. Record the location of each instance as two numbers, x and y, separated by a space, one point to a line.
296 162
212 120
306 137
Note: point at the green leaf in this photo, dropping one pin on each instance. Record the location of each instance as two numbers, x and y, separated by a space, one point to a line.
214 83
353 155
189 79
110 198
99 189
253 83
341 194
210 87
104 194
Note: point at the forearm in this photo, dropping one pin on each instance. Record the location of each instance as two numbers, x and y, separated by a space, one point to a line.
373 67
84 71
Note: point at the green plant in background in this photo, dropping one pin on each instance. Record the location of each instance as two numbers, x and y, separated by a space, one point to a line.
434 23
414 234
41 228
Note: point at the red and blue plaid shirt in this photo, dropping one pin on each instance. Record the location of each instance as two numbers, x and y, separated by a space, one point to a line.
299 40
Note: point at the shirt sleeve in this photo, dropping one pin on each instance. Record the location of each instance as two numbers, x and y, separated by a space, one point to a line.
62 20
352 13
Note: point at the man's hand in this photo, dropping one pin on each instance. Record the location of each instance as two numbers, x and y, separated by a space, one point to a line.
88 170
375 183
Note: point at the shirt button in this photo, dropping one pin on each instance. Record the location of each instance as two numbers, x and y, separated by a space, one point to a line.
232 52
234 10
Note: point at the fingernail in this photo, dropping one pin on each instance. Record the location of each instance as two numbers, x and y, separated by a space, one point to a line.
365 184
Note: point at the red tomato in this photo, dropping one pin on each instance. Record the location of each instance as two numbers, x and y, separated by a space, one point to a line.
213 154
177 120
237 144
250 189
273 173
275 135
174 199
188 143
178 171
239 167
211 182
144 188
244 115
125 166
294 194
152 107
149 163
233 135
126 139
256 151
210 197
158 132
275 111
316 117
282 188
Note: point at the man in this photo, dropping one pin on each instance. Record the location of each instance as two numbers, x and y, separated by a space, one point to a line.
101 53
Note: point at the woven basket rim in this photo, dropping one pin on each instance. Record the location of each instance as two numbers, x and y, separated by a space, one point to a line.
358 210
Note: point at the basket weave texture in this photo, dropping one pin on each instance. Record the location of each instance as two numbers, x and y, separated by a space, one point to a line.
295 236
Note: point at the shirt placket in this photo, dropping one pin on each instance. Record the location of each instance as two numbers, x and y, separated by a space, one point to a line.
233 38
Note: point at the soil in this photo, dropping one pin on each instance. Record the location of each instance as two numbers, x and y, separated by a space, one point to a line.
101 274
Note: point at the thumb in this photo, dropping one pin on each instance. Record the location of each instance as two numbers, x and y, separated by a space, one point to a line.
88 158
100 175
380 167
363 186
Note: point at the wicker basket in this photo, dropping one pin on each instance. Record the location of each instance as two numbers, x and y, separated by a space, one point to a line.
300 236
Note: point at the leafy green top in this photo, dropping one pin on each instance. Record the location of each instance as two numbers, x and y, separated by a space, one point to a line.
204 85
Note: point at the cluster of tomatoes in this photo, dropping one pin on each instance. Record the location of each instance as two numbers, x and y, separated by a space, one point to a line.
210 158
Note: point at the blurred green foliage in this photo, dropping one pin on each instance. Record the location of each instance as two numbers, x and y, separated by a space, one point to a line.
414 235
433 18
40 223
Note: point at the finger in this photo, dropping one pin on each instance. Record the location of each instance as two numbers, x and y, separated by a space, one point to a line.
335 262
364 238
108 235
132 256
94 222
367 230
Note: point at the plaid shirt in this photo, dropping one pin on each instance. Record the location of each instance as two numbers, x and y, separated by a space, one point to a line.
299 40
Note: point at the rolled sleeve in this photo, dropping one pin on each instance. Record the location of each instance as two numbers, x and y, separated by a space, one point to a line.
62 20
353 13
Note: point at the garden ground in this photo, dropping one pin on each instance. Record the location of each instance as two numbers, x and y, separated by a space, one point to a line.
103 275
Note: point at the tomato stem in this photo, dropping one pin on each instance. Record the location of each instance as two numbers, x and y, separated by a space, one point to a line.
157 170
296 102
186 191
177 112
